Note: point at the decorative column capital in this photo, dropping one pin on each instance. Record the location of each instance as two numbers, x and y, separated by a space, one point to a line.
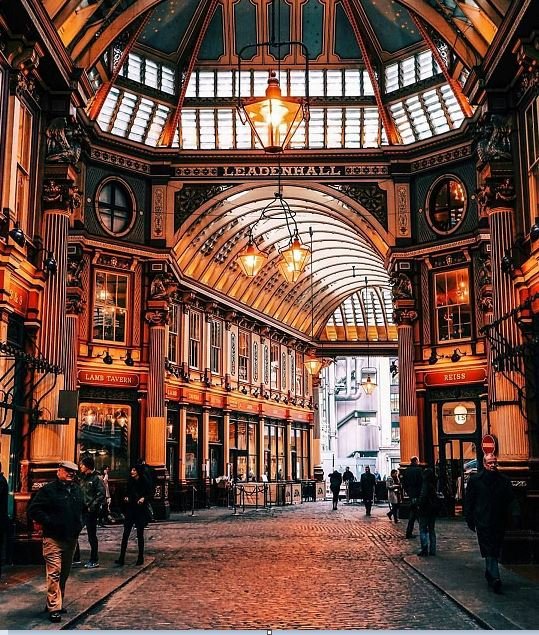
404 317
484 285
157 316
60 195
495 194
75 304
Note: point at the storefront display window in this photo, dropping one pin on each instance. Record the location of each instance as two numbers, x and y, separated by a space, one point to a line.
243 447
103 433
192 447
453 310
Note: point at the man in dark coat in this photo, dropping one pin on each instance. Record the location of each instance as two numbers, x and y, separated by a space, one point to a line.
4 519
93 490
412 481
347 476
487 508
335 480
57 507
368 483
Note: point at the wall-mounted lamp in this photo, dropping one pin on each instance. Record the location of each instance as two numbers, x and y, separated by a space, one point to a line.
128 359
50 265
457 354
255 392
393 368
243 390
434 357
534 230
107 358
15 233
506 264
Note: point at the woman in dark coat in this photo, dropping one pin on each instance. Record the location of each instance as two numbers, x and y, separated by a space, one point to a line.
335 480
428 509
137 511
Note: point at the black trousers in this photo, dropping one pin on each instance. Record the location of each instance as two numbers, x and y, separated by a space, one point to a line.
414 513
128 526
368 505
90 520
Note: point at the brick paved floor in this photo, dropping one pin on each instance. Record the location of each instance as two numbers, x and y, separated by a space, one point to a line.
297 567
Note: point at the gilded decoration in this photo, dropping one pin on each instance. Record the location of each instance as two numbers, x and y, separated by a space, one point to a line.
441 158
60 195
158 212
484 284
368 195
157 317
401 286
190 198
63 141
115 262
403 210
121 161
74 272
404 317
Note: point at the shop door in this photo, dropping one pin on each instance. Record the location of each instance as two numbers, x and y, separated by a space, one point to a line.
460 449
238 460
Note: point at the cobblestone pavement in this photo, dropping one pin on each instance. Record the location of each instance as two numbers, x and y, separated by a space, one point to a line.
297 567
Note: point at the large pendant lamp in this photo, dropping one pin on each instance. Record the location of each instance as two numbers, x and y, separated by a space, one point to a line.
251 259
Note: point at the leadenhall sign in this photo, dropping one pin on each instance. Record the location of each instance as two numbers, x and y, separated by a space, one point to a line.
297 171
93 378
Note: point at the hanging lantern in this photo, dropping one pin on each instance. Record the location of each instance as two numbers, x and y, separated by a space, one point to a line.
251 260
313 365
273 118
368 384
288 272
295 255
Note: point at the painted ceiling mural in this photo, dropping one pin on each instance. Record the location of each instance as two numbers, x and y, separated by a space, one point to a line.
381 73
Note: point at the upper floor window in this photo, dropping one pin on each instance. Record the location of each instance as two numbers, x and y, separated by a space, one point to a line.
173 333
216 346
243 356
453 311
274 364
145 71
24 160
115 207
299 373
110 307
532 139
446 205
195 339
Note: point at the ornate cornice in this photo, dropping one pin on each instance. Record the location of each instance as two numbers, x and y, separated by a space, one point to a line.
119 160
441 158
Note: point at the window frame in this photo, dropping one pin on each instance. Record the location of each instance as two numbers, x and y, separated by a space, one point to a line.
434 191
452 305
216 350
108 181
125 309
195 340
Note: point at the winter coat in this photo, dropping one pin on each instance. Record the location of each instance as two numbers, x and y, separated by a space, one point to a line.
393 490
335 480
93 490
348 477
368 483
138 488
428 500
58 506
412 481
487 508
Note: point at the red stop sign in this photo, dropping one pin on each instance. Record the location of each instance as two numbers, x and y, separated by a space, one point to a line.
488 444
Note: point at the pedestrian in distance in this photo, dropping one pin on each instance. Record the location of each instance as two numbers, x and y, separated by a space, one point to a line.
412 482
428 510
4 517
335 481
57 507
394 495
368 484
488 505
137 511
104 516
347 476
93 490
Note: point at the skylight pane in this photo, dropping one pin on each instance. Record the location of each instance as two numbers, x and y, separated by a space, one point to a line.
424 63
192 85
334 83
134 68
297 83
157 124
352 129
370 127
435 111
402 123
316 128
206 84
242 84
352 82
108 108
298 140
141 119
151 73
452 106
316 83
243 134
368 90
189 129
260 79
225 129
334 128
168 83
408 71
125 113
392 77
207 128
224 84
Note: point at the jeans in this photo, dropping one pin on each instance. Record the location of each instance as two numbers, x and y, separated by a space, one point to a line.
427 534
58 555
91 528
491 568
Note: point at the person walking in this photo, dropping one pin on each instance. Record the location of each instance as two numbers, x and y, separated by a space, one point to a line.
93 490
412 482
335 480
347 476
394 494
487 506
368 483
4 517
428 510
58 508
137 513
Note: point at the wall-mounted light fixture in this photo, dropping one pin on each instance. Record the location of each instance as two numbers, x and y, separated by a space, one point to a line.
534 230
15 233
107 357
393 368
457 354
434 357
128 359
49 264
